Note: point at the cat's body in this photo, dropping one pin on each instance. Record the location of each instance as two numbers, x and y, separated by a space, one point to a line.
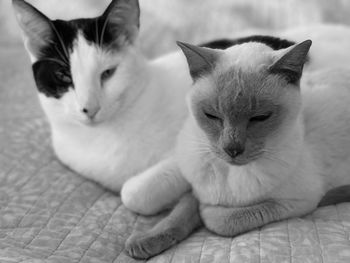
256 148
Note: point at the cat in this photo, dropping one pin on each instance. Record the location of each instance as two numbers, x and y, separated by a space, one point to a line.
326 53
261 144
112 112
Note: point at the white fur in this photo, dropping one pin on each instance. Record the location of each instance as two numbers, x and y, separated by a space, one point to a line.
130 133
306 166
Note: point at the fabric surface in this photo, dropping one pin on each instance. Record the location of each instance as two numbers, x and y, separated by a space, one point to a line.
50 214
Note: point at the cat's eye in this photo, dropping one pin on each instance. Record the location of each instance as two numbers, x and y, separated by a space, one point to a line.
261 118
63 76
108 73
211 116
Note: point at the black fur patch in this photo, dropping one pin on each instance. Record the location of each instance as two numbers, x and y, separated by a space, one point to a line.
274 42
54 57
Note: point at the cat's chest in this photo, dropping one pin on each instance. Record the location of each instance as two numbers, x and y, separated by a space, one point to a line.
218 183
101 154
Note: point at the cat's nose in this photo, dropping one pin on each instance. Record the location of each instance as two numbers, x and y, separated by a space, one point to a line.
91 112
234 150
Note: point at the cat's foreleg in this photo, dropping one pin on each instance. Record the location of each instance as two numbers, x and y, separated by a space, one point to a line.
336 195
231 221
178 225
155 189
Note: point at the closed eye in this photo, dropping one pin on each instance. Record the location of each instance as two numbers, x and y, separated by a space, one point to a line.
63 76
211 116
261 118
107 74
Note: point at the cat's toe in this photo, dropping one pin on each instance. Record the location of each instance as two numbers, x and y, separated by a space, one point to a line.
135 249
144 247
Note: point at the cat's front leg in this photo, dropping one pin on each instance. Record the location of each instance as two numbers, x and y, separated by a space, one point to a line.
231 221
175 227
155 189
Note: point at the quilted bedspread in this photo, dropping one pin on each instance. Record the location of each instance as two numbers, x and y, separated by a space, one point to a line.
50 214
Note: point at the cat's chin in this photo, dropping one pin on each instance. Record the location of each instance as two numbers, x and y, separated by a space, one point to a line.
238 161
89 122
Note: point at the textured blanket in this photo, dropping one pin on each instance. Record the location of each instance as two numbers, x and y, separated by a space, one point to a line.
50 214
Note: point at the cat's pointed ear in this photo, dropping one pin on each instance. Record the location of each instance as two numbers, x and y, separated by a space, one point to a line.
36 26
291 64
123 17
201 61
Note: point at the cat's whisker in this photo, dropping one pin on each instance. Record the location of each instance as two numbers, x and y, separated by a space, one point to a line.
60 40
196 139
199 152
61 56
103 31
96 31
198 143
62 63
280 161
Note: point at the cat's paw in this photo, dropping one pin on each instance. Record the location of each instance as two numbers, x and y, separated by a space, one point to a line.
214 221
144 246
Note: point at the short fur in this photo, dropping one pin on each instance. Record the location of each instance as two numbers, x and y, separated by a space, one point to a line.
260 145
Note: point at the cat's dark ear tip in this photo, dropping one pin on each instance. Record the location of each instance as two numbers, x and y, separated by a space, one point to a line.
181 44
307 43
185 46
20 4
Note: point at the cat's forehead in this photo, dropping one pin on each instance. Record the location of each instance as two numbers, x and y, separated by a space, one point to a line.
241 77
242 91
94 30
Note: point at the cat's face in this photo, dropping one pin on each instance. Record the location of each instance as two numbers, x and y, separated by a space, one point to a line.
245 98
83 68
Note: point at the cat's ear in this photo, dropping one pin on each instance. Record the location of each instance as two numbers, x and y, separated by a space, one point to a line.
123 16
201 61
291 64
36 26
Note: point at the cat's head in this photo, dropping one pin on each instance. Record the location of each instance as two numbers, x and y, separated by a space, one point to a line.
84 68
246 97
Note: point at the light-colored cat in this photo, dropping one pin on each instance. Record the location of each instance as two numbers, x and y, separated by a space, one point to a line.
324 54
112 113
260 145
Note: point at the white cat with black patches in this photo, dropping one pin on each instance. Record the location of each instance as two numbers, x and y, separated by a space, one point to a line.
112 113
261 144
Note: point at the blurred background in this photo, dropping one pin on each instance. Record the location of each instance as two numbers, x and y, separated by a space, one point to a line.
164 21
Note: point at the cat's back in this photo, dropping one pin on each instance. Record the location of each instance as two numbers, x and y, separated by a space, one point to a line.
326 99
